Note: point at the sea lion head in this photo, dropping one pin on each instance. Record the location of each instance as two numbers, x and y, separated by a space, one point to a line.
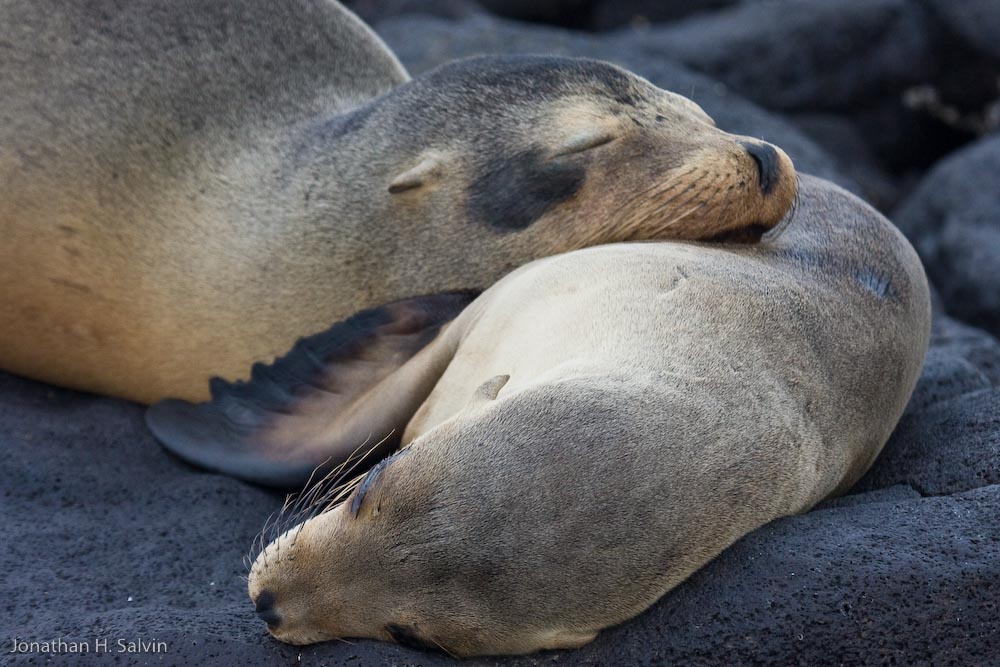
480 537
567 153
419 554
354 569
307 584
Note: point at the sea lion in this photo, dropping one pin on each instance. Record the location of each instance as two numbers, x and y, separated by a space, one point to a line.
188 186
581 438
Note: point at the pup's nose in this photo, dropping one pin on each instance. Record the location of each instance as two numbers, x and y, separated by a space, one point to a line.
768 165
264 606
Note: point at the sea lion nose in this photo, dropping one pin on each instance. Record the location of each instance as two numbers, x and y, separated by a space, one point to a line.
768 165
264 606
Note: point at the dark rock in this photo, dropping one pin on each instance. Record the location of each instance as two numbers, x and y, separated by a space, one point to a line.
566 13
953 220
977 22
818 56
596 15
373 11
949 438
905 135
845 143
423 42
950 447
961 360
607 14
107 536
891 494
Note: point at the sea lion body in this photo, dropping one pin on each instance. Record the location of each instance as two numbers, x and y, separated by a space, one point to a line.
663 400
186 187
139 150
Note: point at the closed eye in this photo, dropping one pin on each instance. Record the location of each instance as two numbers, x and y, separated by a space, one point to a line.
584 142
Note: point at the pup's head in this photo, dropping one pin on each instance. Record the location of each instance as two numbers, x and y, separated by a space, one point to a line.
567 153
377 565
441 547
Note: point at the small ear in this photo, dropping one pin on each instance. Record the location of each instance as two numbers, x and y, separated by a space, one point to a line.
428 169
359 382
489 390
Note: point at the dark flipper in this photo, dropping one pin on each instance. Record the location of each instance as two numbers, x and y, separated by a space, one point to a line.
340 390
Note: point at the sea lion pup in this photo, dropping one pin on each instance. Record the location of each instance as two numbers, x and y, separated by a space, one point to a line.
186 187
581 438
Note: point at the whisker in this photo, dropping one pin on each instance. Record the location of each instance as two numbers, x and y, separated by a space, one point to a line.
632 218
316 498
690 186
657 229
670 202
438 644
658 188
721 217
683 215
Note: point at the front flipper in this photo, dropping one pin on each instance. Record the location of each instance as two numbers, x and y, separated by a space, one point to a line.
346 388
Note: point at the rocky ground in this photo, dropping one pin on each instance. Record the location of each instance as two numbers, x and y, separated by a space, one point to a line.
105 535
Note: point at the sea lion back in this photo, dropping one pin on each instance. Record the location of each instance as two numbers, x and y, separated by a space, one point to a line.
72 70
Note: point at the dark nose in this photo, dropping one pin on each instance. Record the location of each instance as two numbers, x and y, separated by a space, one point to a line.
768 167
264 606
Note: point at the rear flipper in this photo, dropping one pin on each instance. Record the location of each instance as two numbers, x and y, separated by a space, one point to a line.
334 393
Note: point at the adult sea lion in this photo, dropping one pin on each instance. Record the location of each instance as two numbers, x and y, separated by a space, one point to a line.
188 186
581 438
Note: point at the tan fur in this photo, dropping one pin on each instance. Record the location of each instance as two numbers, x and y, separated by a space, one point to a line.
186 187
663 400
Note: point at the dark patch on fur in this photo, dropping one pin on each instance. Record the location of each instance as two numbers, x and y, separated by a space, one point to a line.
877 283
874 282
407 636
511 193
808 258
